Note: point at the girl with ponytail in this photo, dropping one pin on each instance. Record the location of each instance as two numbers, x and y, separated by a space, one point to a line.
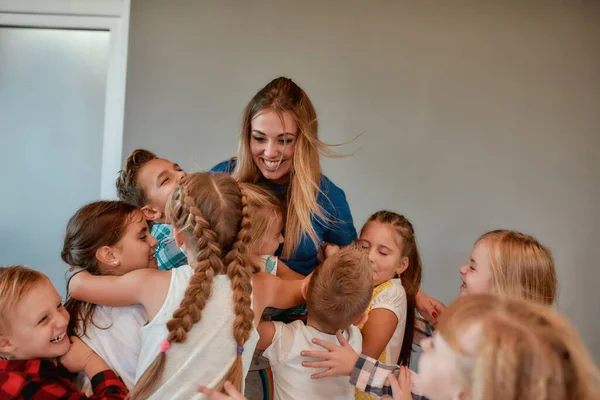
192 308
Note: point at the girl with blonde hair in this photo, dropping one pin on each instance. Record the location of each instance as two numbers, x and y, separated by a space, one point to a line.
510 264
490 348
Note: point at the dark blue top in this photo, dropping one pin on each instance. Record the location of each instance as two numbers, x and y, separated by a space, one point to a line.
339 230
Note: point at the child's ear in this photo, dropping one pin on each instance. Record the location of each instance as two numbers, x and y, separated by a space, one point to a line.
106 256
361 320
151 213
6 345
403 266
304 287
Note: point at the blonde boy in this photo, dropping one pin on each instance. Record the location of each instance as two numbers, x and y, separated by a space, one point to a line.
337 296
33 333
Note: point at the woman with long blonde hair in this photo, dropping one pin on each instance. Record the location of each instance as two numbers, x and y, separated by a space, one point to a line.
279 147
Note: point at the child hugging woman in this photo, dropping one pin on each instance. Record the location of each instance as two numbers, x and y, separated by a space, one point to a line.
191 308
389 238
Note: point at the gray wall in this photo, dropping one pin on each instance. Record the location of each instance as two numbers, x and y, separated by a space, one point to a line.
52 86
477 116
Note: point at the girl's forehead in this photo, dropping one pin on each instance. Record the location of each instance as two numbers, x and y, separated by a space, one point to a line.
379 233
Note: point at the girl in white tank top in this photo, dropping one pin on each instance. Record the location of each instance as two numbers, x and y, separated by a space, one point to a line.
109 238
192 308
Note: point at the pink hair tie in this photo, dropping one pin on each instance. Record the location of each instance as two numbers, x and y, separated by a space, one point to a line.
165 345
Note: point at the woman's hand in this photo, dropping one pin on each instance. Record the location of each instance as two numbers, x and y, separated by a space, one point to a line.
429 307
326 250
232 393
339 360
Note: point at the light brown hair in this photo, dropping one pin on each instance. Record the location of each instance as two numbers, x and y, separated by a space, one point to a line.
411 277
212 212
265 210
522 350
522 268
340 289
282 95
128 189
101 223
16 282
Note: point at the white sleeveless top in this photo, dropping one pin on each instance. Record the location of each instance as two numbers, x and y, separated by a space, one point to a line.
115 336
210 349
292 381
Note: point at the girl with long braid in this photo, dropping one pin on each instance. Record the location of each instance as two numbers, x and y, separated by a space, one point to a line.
192 307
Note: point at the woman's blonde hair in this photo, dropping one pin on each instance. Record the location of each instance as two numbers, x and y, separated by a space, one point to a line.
16 282
522 268
517 349
282 95
212 212
266 211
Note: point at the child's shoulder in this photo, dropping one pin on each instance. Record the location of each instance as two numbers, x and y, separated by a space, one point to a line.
389 293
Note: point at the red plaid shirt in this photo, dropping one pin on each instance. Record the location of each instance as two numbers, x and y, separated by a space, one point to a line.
42 379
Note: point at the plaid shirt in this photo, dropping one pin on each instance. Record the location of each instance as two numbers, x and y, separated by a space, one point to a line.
43 380
370 376
168 254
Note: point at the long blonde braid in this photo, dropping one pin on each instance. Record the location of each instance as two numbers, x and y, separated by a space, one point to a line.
239 271
209 210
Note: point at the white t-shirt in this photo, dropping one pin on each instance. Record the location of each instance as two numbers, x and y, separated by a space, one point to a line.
291 379
115 336
391 296
210 349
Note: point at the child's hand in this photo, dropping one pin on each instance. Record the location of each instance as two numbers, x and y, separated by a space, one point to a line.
330 250
216 395
339 360
326 250
78 356
401 387
429 307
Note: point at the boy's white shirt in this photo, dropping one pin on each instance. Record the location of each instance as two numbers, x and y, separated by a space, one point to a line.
291 379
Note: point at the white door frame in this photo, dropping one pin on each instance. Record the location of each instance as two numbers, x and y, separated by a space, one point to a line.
109 15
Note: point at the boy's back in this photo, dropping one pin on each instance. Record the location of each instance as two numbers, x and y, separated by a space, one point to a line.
292 380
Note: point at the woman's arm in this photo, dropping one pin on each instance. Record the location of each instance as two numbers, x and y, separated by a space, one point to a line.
378 331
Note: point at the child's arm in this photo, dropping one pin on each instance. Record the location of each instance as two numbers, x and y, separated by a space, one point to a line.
266 330
286 273
105 383
144 286
366 373
401 385
270 291
339 360
378 331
